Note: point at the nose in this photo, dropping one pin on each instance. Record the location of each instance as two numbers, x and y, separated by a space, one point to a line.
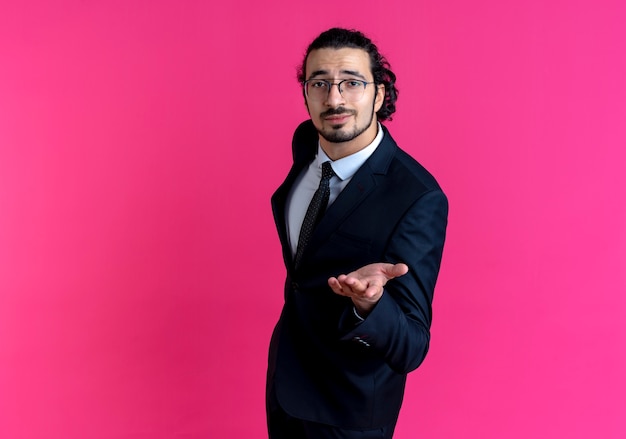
334 97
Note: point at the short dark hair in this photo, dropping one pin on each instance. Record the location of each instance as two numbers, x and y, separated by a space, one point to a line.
338 38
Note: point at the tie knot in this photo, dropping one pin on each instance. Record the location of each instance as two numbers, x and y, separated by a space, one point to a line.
327 171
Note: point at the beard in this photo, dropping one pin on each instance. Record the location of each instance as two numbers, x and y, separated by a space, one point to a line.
335 134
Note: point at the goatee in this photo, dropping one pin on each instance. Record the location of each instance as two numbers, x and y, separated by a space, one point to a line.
335 134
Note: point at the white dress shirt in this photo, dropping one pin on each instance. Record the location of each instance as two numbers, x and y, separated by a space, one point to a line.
309 179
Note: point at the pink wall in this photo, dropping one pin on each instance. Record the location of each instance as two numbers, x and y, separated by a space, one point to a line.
140 273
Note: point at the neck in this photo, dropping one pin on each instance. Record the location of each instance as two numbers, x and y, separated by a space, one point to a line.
339 150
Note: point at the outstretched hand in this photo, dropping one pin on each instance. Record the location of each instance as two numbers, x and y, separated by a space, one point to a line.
365 285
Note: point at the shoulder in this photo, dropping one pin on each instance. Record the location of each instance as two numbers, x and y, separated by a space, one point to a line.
304 142
305 132
404 169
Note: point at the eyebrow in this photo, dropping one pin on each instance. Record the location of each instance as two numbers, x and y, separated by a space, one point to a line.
343 72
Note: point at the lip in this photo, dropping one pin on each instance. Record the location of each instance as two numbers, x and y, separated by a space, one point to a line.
337 118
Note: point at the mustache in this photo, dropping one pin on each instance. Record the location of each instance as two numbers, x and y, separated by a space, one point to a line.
336 111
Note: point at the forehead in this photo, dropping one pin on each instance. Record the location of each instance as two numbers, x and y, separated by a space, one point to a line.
338 62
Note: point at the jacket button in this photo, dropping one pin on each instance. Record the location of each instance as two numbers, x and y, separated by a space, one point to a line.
295 286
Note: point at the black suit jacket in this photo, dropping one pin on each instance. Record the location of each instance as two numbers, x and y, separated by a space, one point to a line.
324 366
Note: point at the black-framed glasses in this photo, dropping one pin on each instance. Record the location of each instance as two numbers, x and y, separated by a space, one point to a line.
351 89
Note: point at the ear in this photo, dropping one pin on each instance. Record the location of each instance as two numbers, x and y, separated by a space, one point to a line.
380 97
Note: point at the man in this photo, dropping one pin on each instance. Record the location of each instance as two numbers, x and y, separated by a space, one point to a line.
361 271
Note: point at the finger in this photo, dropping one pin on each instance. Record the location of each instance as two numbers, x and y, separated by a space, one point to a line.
335 285
354 284
341 278
373 291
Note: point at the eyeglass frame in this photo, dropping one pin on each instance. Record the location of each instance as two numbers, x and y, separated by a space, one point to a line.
338 84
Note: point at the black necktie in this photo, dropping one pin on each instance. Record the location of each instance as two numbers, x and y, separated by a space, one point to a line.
315 210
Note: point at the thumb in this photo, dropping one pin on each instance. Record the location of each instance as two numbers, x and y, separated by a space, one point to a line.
396 270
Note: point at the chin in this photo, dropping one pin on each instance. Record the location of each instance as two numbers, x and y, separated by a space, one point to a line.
337 136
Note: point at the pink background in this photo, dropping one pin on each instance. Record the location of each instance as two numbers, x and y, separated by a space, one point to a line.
140 271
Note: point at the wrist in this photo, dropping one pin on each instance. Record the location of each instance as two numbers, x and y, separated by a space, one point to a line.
364 308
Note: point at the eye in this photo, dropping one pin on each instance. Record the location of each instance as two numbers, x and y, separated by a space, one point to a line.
352 84
318 84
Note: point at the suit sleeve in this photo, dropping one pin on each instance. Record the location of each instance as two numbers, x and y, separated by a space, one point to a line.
398 328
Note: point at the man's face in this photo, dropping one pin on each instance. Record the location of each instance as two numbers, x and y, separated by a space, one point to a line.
337 119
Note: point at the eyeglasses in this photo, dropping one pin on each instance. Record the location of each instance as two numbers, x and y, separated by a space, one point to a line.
318 89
